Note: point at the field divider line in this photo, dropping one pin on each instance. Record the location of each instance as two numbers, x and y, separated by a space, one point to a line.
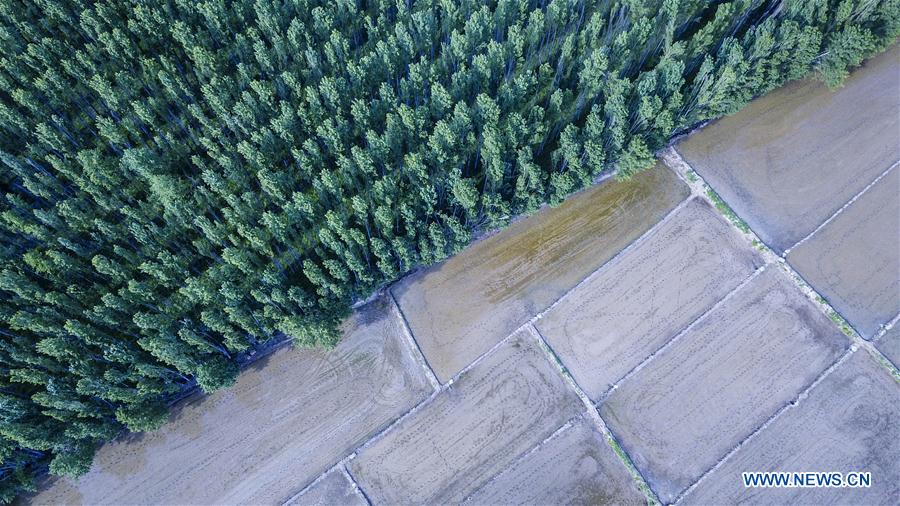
677 337
413 345
293 498
842 209
794 403
820 301
356 487
699 187
854 335
886 327
672 159
594 414
563 428
871 348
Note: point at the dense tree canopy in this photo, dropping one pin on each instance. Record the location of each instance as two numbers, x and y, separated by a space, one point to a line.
184 181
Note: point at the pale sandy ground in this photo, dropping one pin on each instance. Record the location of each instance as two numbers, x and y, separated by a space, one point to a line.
754 382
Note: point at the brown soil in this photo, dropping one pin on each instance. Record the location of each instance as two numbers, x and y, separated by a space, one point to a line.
576 466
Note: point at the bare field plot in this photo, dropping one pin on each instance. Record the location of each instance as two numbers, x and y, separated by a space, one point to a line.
889 344
854 260
502 407
849 422
640 300
793 157
720 381
459 309
286 420
576 466
334 489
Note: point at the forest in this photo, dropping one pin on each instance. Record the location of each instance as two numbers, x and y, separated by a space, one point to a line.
186 182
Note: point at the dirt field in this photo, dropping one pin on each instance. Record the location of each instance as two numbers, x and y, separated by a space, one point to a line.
854 261
576 466
459 309
640 300
889 344
720 381
287 420
502 407
790 159
849 422
334 489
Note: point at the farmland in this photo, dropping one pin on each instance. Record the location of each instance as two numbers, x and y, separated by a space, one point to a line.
574 466
866 292
501 407
723 378
185 186
334 488
849 422
639 301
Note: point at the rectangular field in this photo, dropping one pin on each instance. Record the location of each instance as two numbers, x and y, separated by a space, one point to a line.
460 308
576 466
849 422
506 404
721 380
793 157
640 300
287 419
334 489
854 260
